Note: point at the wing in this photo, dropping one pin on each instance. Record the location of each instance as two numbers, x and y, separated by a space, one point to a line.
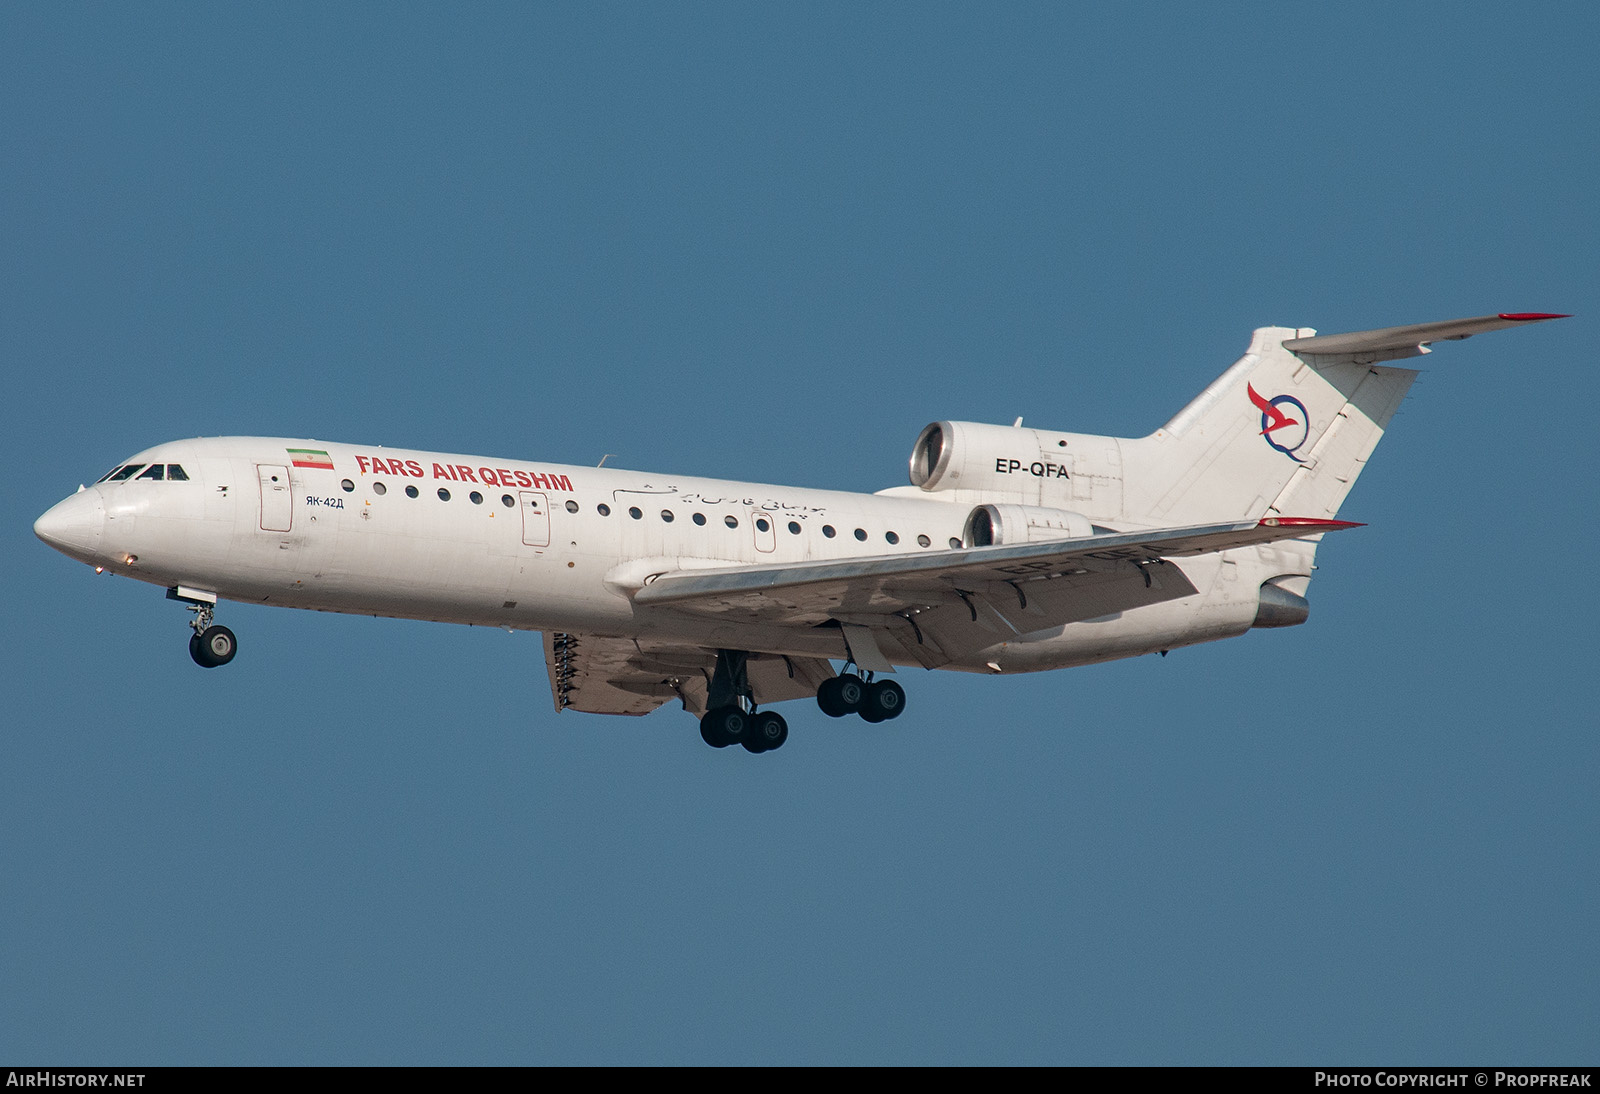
601 674
930 607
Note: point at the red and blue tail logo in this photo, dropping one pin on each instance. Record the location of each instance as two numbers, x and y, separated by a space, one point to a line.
1275 418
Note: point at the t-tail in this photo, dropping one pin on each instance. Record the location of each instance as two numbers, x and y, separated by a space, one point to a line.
1279 438
1287 430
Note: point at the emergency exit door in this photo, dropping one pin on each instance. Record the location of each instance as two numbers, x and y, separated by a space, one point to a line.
765 531
535 519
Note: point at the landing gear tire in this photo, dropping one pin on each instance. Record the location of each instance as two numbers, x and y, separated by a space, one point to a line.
723 726
841 695
767 732
213 647
852 692
884 700
709 734
828 698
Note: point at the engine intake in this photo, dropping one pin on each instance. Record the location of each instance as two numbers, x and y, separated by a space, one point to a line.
992 525
970 455
930 456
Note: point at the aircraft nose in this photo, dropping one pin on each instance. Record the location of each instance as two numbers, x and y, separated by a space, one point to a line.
73 526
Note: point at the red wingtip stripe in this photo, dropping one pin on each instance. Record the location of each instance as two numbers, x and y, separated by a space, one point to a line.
1531 316
1308 522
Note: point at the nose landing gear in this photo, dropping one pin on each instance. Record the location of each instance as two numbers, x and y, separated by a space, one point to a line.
210 646
213 647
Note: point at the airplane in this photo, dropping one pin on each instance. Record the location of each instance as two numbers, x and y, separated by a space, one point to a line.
1011 550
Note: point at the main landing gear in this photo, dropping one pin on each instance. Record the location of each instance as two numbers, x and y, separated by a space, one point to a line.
732 717
758 731
848 693
210 646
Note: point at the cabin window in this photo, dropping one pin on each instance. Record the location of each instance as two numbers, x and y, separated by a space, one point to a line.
603 509
635 512
411 491
126 473
827 530
175 473
924 541
346 485
699 518
666 515
155 472
794 527
444 495
861 534
892 537
572 506
379 489
762 524
506 500
475 497
731 522
955 544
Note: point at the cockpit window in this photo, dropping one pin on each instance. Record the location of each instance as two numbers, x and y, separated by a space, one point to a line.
172 472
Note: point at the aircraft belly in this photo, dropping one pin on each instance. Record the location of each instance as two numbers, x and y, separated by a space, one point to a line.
714 633
1225 610
1125 634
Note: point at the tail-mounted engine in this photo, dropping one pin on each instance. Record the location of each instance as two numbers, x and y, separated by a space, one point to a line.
955 455
990 525
969 461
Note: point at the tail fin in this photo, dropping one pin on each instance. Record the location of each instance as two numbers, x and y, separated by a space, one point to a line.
1288 428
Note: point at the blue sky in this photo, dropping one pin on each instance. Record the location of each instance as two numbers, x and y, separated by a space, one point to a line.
773 243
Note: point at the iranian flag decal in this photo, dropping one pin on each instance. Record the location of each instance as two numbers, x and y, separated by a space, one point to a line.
310 457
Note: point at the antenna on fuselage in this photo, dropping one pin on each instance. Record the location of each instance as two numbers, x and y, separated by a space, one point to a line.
604 458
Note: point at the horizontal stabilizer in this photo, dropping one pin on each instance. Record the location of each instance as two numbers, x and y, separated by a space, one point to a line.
1392 343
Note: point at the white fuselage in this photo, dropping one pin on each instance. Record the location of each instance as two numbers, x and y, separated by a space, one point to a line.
526 546
1013 550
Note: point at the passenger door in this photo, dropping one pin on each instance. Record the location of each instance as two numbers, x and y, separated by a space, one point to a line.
277 497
